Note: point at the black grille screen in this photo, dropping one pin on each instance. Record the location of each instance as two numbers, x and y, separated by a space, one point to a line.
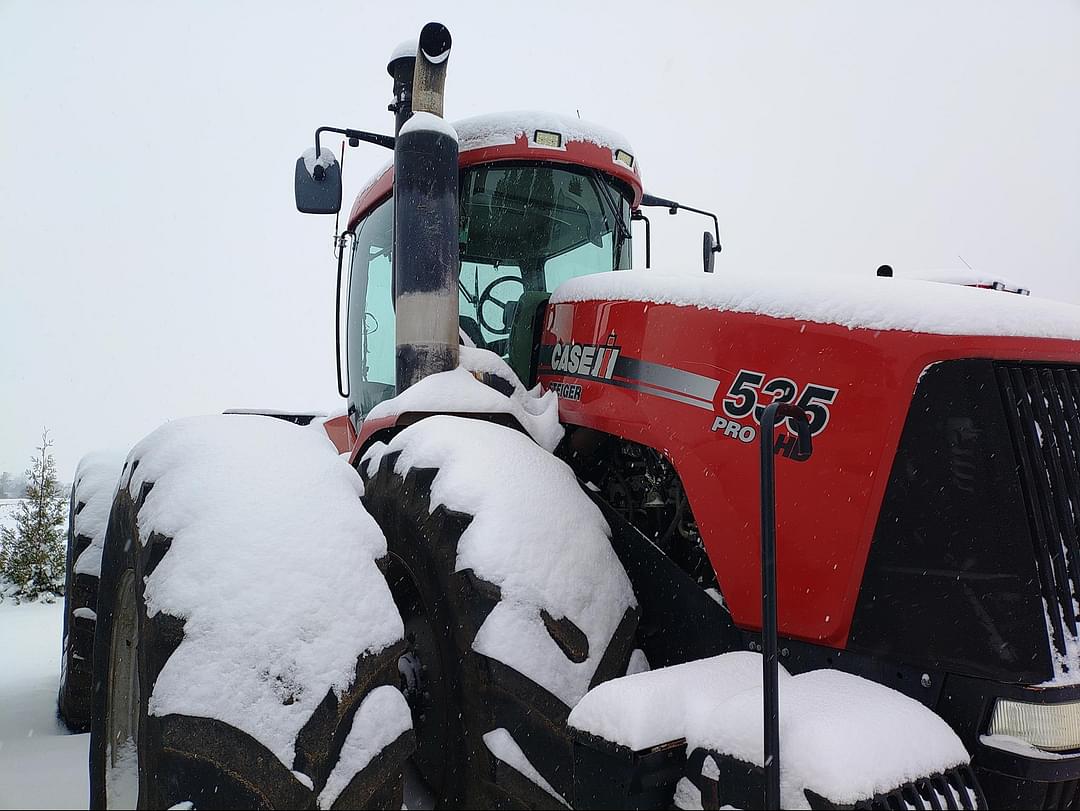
956 788
1042 404
951 580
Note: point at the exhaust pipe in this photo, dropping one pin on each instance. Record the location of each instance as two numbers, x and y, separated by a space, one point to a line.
430 76
425 219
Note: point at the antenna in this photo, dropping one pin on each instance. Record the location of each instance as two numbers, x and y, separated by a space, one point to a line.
337 214
969 267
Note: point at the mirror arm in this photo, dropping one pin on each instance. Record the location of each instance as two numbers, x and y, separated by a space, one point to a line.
659 202
716 223
673 208
354 136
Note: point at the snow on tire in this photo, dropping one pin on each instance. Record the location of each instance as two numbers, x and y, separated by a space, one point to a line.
514 602
247 644
88 515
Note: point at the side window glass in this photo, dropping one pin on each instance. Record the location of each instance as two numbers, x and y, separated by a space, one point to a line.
371 341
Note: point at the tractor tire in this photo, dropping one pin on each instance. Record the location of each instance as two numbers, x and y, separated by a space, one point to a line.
466 706
77 649
92 485
139 760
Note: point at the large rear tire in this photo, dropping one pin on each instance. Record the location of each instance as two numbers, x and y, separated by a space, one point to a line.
77 650
91 494
142 760
467 706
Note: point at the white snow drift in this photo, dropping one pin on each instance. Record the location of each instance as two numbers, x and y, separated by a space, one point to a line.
534 534
647 709
842 737
383 716
459 391
95 486
272 567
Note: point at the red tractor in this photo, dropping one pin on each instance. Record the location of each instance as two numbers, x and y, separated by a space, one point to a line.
565 458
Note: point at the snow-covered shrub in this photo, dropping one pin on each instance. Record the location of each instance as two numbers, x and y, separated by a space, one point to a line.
32 554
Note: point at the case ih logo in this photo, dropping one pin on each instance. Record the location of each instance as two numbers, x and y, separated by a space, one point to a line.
736 416
586 360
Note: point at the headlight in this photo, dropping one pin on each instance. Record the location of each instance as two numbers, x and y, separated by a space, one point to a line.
1053 727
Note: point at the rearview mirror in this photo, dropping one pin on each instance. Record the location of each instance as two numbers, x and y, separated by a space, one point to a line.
708 252
318 182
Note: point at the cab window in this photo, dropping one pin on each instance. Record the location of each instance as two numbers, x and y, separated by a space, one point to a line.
523 227
371 343
532 227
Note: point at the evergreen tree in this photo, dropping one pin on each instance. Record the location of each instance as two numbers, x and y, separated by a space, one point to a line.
32 555
5 485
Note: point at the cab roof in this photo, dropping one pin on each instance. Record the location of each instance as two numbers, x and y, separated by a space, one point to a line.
525 135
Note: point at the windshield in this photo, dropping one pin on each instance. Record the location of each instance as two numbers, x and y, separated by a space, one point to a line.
528 227
523 227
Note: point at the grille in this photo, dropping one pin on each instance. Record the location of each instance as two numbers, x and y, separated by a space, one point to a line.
1042 405
954 789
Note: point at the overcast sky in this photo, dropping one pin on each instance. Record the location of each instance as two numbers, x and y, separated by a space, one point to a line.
152 264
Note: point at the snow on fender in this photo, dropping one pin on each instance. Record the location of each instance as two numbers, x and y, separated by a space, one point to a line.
262 622
842 738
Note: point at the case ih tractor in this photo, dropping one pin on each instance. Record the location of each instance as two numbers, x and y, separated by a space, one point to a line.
552 572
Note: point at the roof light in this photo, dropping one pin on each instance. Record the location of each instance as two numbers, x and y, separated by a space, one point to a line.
547 138
622 156
1051 727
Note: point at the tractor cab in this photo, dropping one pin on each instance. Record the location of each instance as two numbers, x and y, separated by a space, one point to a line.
542 199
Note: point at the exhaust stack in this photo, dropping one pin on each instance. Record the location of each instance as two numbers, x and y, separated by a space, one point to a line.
425 216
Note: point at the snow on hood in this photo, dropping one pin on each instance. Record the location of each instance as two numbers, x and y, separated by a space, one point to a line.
499 129
95 485
855 302
270 626
460 392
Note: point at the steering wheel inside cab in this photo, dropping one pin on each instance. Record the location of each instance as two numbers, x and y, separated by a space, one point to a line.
495 309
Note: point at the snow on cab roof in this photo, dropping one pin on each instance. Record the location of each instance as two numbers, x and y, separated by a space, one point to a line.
501 129
497 129
855 302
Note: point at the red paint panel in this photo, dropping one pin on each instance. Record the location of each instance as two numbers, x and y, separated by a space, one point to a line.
341 433
827 508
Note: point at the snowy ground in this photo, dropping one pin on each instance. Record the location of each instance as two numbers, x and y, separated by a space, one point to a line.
41 765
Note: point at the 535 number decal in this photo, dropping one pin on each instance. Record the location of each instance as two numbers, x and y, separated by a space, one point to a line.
751 393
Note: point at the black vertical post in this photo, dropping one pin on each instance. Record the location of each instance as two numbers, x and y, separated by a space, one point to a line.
425 249
425 261
770 661
401 67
